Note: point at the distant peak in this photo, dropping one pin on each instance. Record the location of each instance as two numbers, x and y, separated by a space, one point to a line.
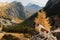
31 4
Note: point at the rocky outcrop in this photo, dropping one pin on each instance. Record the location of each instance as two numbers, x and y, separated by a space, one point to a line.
14 9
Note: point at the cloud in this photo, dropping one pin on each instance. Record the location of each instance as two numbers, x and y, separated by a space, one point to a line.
25 2
6 0
38 2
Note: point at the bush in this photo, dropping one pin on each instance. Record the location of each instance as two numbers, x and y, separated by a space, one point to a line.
18 29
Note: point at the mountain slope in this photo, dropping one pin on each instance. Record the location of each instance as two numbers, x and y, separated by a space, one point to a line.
52 7
30 21
33 7
30 9
13 11
16 10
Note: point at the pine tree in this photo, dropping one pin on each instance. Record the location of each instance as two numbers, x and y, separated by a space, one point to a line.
43 20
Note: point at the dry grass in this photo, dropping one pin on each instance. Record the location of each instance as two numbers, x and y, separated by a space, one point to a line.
18 35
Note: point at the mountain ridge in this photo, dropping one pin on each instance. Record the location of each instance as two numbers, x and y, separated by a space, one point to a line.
13 11
30 9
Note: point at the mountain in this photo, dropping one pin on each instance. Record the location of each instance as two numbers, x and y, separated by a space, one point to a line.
13 12
30 21
16 9
31 6
31 9
52 7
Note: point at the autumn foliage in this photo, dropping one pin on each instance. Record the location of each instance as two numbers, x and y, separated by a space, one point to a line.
43 20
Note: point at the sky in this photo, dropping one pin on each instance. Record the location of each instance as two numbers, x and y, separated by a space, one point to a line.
41 3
